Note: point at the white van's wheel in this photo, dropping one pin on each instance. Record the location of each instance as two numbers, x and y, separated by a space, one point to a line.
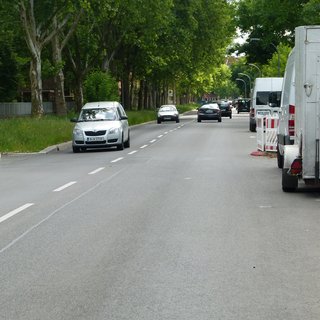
289 183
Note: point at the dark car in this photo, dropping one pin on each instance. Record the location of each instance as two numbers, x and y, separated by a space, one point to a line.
226 110
243 105
210 111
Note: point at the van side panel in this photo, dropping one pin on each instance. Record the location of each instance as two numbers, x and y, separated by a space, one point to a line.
307 98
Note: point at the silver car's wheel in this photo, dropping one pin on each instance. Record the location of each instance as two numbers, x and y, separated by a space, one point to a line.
121 145
76 149
127 143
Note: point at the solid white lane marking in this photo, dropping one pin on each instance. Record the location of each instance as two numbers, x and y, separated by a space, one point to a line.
154 140
67 185
133 152
161 135
16 211
97 170
144 146
116 160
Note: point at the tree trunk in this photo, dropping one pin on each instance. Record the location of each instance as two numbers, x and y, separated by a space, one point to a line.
79 94
125 91
60 102
140 95
36 86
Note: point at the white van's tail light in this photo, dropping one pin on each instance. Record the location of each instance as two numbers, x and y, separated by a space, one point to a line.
296 167
291 120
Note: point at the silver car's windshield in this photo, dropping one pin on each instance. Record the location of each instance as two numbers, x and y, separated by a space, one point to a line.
98 114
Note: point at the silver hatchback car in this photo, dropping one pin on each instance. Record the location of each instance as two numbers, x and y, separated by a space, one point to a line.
101 125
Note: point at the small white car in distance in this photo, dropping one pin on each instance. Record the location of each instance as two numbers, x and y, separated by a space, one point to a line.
168 112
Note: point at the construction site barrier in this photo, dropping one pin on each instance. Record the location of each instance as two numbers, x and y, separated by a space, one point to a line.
266 127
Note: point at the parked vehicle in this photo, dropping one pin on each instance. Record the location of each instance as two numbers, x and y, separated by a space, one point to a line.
225 107
210 111
285 133
243 105
266 97
301 160
101 125
168 112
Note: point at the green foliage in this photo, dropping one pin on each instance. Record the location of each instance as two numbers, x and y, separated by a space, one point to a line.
100 86
272 21
271 68
311 12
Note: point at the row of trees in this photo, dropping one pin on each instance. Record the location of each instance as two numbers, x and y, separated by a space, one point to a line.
148 46
268 26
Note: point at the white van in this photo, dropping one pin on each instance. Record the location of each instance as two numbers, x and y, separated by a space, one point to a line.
301 160
266 97
286 132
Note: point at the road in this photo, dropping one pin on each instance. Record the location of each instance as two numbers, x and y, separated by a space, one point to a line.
185 224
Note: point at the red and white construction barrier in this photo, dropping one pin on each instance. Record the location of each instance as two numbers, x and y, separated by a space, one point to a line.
267 126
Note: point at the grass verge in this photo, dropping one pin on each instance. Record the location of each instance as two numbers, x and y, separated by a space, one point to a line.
28 134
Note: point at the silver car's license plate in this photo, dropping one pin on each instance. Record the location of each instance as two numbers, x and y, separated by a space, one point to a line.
95 138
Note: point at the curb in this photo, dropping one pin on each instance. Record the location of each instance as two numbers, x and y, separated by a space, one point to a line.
58 147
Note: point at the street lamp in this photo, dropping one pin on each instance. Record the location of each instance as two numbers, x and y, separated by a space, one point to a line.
272 44
245 86
244 74
254 65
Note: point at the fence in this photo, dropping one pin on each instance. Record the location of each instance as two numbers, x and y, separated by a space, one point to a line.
12 109
267 126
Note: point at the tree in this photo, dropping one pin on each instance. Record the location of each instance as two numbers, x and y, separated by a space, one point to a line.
271 68
59 41
41 21
100 86
260 20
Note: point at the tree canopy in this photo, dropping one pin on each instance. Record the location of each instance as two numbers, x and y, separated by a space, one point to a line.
148 46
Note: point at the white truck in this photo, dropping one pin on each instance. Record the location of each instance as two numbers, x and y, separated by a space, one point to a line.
301 160
266 97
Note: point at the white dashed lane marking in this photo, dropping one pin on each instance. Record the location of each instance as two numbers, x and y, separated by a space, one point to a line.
116 160
97 170
16 211
67 185
133 152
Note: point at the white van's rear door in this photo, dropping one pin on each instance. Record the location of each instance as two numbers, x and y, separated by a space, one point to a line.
310 101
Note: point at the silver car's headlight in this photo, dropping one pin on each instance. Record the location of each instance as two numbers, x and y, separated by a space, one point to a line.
78 132
114 131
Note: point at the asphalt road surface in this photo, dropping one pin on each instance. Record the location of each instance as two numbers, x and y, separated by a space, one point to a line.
184 225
